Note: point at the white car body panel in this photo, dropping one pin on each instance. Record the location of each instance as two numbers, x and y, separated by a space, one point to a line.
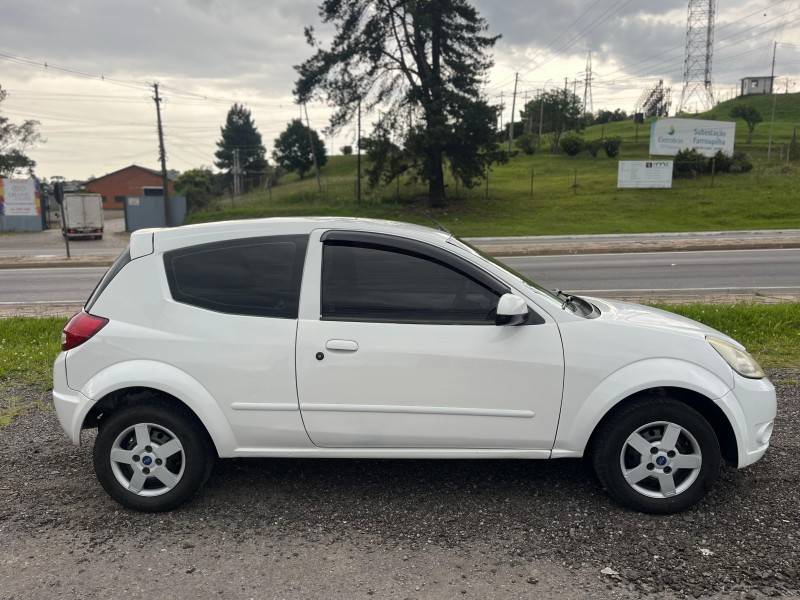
407 391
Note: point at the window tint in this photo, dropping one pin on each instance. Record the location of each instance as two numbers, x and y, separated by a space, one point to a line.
122 260
254 276
372 283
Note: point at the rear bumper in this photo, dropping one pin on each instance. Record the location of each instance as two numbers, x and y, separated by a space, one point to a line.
71 406
750 406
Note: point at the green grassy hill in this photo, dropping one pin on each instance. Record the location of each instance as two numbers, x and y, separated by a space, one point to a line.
767 197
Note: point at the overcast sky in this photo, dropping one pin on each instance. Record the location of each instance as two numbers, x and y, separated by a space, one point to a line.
245 49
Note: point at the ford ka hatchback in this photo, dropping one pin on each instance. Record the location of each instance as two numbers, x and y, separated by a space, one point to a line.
357 338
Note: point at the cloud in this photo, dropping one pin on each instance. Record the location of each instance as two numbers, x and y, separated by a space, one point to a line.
246 49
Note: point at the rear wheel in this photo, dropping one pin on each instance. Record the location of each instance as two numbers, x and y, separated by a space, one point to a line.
152 457
657 455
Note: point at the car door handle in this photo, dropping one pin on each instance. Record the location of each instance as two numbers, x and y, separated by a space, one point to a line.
342 345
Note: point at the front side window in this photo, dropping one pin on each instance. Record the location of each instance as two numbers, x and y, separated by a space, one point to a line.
361 282
253 276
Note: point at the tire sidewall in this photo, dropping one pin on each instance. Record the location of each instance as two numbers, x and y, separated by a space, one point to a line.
674 412
196 456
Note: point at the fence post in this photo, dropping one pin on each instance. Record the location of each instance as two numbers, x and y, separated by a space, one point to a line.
532 182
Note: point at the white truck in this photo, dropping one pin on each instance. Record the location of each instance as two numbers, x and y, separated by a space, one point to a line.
83 216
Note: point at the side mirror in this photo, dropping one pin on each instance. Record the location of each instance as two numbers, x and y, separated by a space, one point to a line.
511 310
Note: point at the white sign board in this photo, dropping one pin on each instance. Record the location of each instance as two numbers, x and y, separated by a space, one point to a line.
644 174
670 136
19 198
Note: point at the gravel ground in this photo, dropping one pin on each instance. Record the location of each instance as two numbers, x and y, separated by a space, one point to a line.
404 529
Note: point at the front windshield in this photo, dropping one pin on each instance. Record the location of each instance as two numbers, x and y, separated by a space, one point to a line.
525 280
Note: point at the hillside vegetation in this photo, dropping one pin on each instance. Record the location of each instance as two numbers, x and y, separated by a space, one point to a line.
570 195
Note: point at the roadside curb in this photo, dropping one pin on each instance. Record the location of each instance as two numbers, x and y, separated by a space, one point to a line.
534 249
22 263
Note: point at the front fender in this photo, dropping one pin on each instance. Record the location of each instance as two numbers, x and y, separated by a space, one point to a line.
581 415
171 380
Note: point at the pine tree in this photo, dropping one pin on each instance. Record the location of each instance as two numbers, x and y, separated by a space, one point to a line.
422 63
240 132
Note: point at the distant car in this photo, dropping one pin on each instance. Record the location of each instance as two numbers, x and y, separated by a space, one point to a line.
369 339
83 216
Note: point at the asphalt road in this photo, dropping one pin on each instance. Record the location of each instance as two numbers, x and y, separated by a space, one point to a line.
615 275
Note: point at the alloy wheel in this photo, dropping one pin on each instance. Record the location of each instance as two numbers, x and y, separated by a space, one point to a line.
661 459
147 459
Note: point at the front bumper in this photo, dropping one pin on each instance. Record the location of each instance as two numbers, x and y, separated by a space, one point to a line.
750 407
71 406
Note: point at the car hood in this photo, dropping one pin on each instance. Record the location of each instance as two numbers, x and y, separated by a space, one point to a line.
639 315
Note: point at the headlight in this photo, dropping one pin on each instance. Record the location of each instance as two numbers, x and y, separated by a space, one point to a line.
739 360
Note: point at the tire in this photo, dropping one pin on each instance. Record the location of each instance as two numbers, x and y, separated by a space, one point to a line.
640 478
152 457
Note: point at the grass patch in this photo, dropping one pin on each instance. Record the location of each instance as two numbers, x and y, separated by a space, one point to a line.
766 198
28 347
771 332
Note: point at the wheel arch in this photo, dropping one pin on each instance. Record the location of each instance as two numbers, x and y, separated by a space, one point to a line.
709 409
129 396
128 381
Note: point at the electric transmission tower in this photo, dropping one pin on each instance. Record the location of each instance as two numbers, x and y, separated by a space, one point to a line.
588 102
697 87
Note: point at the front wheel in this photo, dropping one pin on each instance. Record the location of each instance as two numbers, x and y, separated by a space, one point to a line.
657 455
151 457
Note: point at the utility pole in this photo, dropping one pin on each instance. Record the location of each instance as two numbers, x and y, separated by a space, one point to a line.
237 170
774 99
58 194
358 156
162 155
511 121
501 111
311 145
541 117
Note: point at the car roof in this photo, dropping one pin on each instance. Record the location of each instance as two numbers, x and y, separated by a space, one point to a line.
188 235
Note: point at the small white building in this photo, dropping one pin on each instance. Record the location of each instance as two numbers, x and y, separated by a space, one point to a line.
756 85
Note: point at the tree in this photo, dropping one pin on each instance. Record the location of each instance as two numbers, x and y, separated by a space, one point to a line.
750 115
199 186
562 112
423 62
15 141
240 132
293 152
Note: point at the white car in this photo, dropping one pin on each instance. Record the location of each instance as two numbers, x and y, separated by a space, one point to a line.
330 337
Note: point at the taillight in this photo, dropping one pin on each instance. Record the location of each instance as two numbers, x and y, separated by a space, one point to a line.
80 328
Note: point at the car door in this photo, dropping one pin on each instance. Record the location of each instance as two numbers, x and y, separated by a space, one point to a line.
397 347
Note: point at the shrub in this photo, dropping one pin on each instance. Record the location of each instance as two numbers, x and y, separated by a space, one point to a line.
722 162
740 163
611 146
688 164
571 143
526 143
347 150
593 147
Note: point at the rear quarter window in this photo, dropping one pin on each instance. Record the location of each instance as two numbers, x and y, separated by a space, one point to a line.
253 276
122 260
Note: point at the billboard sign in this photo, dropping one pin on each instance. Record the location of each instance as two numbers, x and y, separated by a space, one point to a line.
670 136
644 174
19 198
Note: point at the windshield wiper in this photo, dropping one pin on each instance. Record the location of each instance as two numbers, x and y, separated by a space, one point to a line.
576 302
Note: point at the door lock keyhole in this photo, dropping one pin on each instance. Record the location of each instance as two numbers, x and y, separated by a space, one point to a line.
320 356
